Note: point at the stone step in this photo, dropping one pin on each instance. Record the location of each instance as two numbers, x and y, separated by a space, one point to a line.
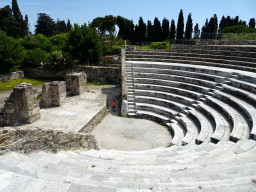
216 55
222 48
251 87
194 62
183 79
208 77
178 133
164 95
168 89
162 82
161 102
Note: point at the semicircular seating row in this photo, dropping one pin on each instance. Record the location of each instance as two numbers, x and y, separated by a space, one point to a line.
205 94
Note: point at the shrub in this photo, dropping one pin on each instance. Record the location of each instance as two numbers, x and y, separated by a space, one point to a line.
11 52
160 45
33 58
238 29
57 61
59 41
37 41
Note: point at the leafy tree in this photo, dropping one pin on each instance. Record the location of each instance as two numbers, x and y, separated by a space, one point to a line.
103 25
150 31
196 31
125 27
172 30
6 19
242 23
45 25
189 27
11 52
141 30
84 44
59 41
157 30
180 26
60 27
165 29
252 23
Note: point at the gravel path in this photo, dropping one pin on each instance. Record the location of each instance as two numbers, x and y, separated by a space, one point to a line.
128 134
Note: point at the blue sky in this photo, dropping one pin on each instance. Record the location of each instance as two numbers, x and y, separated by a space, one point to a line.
84 11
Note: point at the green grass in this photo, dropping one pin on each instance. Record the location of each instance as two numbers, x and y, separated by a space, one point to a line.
97 83
7 85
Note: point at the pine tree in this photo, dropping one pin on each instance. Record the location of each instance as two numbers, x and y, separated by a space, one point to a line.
189 27
165 29
149 31
196 31
252 23
45 25
172 30
180 26
157 30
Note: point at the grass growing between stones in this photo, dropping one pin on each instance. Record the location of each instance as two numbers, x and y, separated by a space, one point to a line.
7 85
96 83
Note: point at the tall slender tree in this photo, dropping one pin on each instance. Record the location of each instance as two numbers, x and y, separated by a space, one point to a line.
229 21
223 23
68 25
27 25
165 29
149 31
189 27
157 30
196 31
172 30
205 30
16 11
142 30
45 25
252 23
180 26
215 23
236 20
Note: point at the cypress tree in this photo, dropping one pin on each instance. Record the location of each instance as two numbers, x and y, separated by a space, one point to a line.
236 20
172 30
157 30
27 25
149 31
142 30
229 21
205 30
16 11
223 23
215 23
189 27
68 25
180 26
196 31
165 29
252 23
131 33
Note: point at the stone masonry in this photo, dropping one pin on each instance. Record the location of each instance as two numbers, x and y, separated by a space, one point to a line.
53 94
21 106
76 83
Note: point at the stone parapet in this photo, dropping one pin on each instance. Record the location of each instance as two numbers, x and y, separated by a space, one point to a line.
224 42
12 76
53 94
21 106
76 83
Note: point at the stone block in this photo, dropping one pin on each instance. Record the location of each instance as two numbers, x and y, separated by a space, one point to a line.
76 83
53 94
18 106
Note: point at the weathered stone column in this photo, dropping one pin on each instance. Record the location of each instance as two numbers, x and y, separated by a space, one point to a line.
53 94
76 83
21 106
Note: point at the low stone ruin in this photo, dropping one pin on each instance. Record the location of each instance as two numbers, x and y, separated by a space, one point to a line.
76 83
22 106
53 94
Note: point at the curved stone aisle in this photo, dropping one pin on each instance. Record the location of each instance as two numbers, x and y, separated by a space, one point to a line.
128 134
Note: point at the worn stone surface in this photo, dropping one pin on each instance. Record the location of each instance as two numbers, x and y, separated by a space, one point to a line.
76 83
21 106
53 94
12 76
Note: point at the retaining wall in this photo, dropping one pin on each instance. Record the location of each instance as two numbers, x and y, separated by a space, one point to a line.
224 42
12 76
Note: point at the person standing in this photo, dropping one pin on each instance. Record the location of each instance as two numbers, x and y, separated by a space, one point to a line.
114 105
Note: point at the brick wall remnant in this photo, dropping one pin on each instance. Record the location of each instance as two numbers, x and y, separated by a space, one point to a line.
76 83
53 94
21 106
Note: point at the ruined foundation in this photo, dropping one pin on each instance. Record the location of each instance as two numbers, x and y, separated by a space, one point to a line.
21 107
76 83
53 94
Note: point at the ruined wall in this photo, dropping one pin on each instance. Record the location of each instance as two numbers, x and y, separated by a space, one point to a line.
21 106
12 76
76 83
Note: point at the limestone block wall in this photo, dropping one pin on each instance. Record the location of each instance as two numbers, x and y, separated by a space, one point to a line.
21 106
53 94
12 76
27 140
124 107
76 83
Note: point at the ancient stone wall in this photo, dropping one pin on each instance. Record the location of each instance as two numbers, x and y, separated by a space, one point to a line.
94 73
28 140
12 76
53 94
124 106
21 106
76 83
